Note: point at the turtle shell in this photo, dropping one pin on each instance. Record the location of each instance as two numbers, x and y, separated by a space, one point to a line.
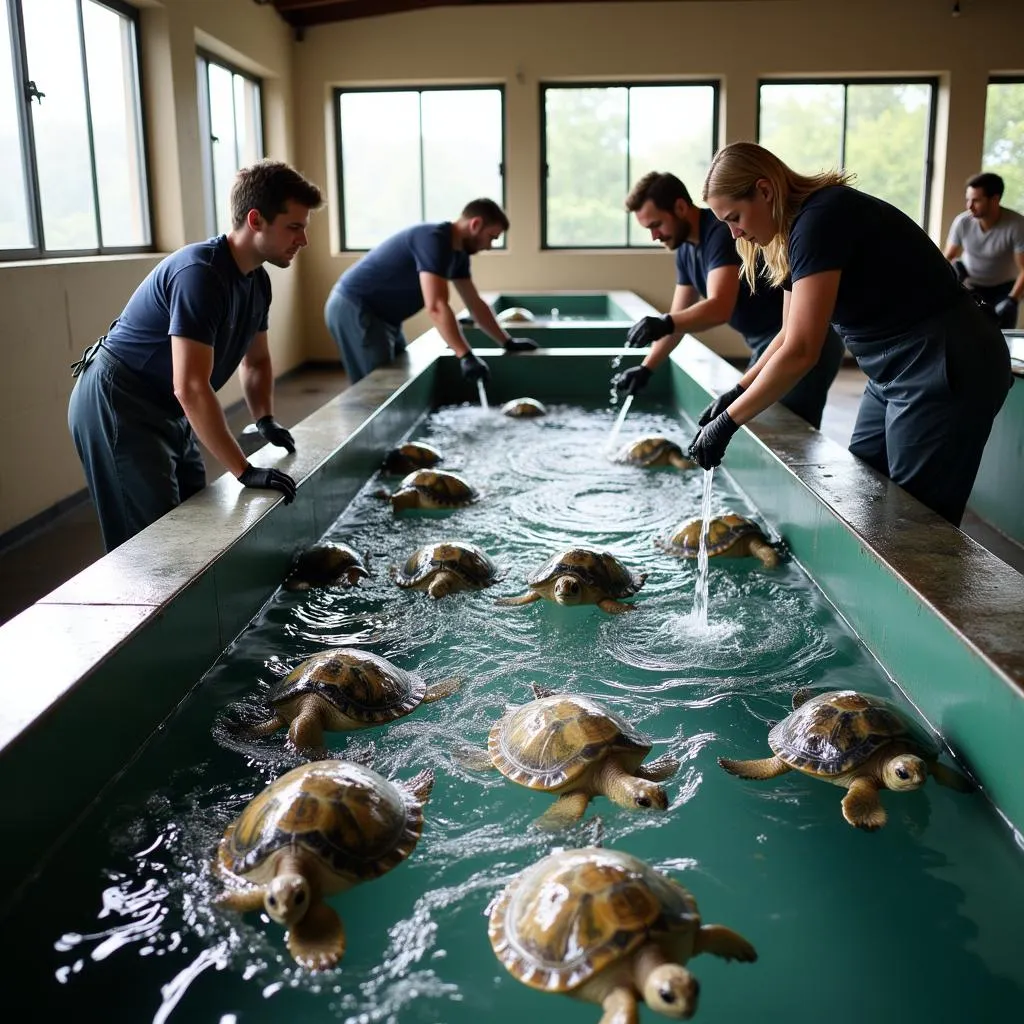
325 565
723 532
467 561
441 487
411 456
523 408
359 685
598 569
837 732
577 912
357 823
549 743
515 315
648 450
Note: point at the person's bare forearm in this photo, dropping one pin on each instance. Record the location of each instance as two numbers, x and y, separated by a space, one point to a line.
258 387
483 315
776 378
205 414
448 327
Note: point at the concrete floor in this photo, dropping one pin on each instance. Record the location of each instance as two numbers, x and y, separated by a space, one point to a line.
40 562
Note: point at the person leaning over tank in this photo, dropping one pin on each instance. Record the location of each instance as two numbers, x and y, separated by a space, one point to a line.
986 248
710 291
938 367
147 389
408 272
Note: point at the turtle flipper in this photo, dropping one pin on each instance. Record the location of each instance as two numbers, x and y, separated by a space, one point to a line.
474 758
761 768
950 778
307 730
528 598
317 942
723 942
659 769
243 899
260 729
619 1008
765 552
861 805
613 607
541 691
421 784
402 501
803 695
442 689
565 811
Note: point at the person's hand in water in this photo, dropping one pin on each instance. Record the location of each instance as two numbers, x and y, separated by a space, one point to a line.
708 447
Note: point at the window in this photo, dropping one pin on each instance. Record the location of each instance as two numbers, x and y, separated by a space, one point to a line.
600 139
1004 137
231 118
71 145
882 131
440 149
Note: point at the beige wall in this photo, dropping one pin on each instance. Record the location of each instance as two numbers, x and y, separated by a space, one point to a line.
53 309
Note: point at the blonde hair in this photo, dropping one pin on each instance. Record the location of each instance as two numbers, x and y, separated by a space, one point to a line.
734 174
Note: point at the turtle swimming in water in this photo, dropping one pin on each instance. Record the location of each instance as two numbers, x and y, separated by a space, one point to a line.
442 569
523 408
855 740
318 830
326 565
607 928
649 452
515 315
729 536
340 690
431 489
412 455
576 748
582 576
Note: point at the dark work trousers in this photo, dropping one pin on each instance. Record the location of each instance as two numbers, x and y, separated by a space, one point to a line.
928 406
992 295
364 340
807 397
140 459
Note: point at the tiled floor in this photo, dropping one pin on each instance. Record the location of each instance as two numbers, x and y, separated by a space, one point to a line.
42 561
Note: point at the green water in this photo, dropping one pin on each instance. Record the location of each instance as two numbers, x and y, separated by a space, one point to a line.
921 921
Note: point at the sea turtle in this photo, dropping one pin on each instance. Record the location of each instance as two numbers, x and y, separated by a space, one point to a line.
573 746
582 576
342 689
326 565
729 536
515 315
654 451
431 489
523 408
442 569
411 456
318 830
855 740
606 927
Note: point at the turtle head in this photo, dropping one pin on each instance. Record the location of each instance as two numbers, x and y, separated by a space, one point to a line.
441 586
904 771
647 796
671 990
287 898
568 590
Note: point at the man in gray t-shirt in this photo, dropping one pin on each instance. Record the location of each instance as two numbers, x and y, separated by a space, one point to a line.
986 247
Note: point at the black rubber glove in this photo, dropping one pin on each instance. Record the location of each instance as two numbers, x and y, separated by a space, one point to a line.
648 329
474 368
961 270
275 433
270 479
632 380
720 404
709 445
1006 313
514 345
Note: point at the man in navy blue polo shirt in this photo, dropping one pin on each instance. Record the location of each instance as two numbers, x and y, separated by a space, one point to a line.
408 272
147 389
710 292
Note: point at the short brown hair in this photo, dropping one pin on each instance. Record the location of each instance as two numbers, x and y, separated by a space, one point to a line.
661 188
989 183
267 186
488 210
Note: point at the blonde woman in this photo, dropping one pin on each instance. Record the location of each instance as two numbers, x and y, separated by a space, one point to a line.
938 367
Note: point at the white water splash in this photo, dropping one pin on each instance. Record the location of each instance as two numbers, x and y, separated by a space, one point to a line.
484 404
699 614
613 439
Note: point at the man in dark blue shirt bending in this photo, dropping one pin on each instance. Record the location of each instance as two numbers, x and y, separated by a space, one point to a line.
710 292
408 272
147 389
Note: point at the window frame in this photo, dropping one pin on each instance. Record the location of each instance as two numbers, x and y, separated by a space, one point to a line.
339 90
1004 79
30 167
208 57
716 87
846 81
